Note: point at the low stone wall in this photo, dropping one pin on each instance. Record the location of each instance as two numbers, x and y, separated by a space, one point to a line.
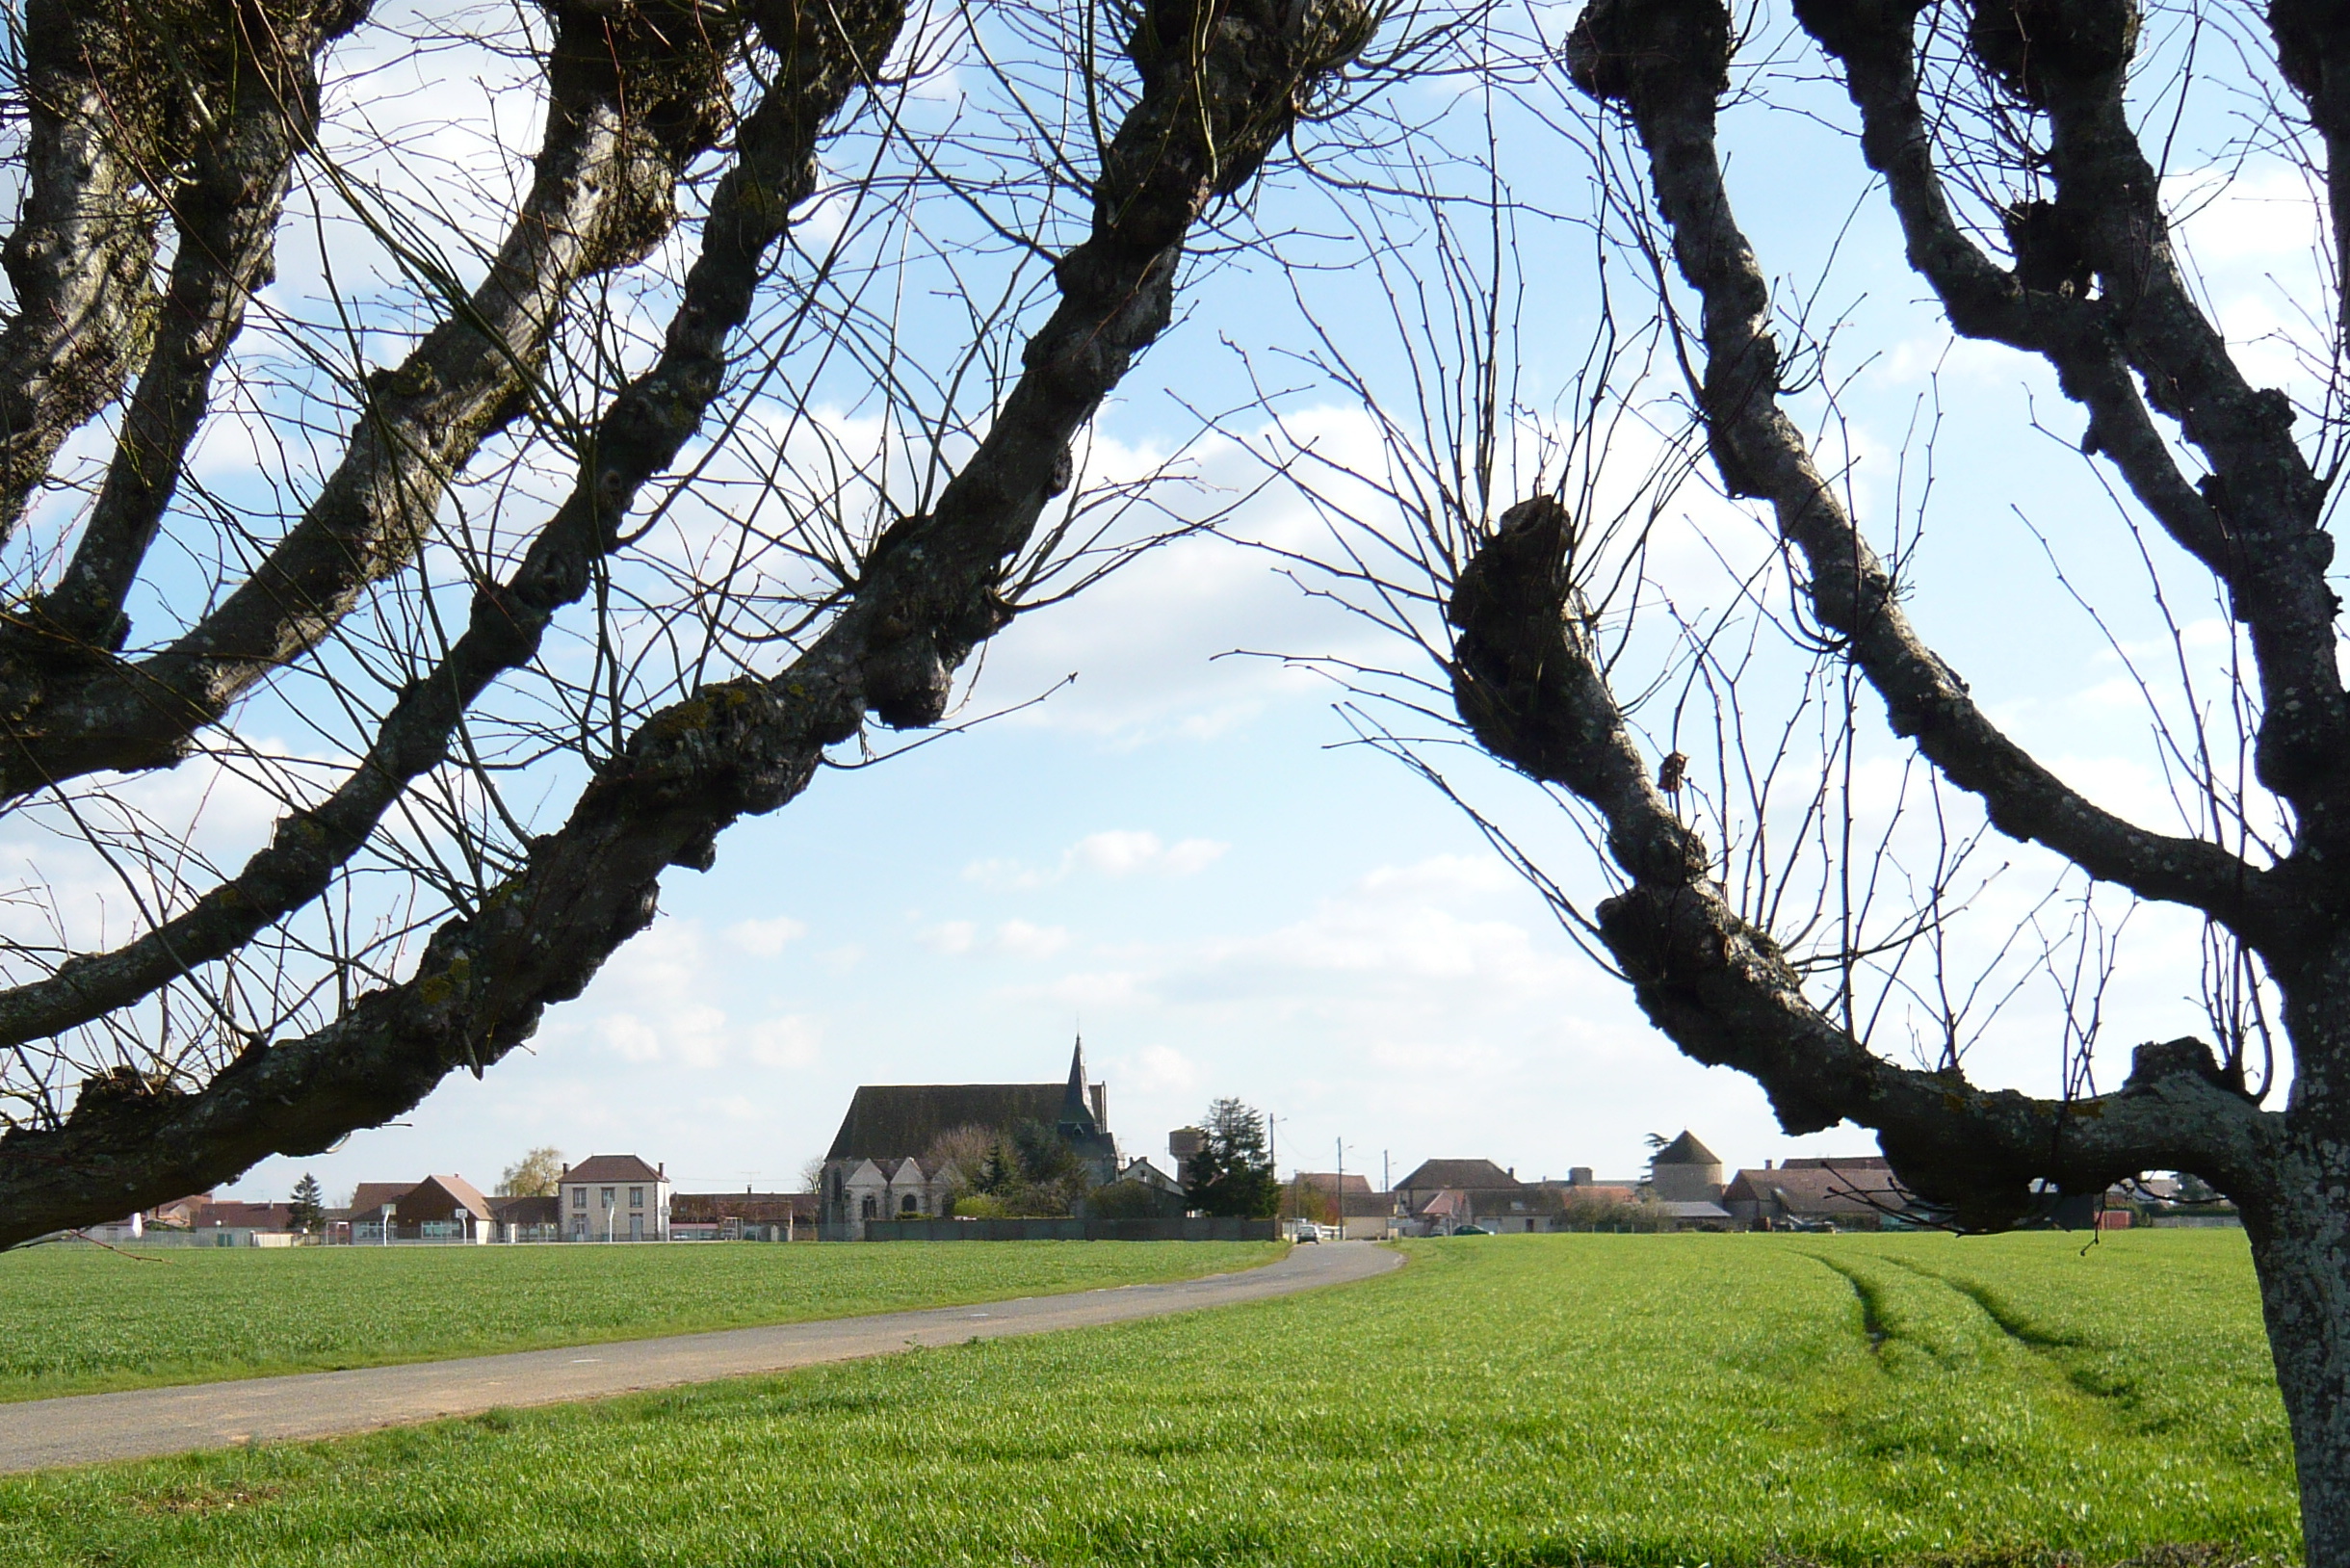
1217 1229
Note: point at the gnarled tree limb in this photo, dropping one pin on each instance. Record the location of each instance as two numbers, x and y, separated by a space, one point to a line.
1665 63
263 106
826 55
1221 86
632 97
1527 682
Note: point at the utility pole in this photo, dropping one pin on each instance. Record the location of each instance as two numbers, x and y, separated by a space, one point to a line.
1338 1199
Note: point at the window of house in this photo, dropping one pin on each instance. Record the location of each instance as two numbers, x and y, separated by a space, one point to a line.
608 1193
579 1197
635 1197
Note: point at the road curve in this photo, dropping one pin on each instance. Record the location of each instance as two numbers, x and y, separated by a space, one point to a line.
91 1429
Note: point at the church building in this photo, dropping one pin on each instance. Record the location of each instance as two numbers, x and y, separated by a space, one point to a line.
880 1165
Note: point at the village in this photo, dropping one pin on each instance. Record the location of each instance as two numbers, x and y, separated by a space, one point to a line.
907 1162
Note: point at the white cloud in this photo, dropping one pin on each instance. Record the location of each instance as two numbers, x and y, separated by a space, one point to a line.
953 938
1125 854
1115 853
630 1038
1012 939
765 938
1020 939
790 1041
1160 1069
692 1036
1443 874
663 999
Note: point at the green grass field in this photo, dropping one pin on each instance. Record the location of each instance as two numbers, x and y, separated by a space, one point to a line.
79 1320
1667 1400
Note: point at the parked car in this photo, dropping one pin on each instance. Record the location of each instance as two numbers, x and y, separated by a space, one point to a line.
1473 1230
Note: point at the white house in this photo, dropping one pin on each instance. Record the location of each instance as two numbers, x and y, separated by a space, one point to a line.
614 1197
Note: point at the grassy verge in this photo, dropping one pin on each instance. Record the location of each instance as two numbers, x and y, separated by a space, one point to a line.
79 1320
1503 1403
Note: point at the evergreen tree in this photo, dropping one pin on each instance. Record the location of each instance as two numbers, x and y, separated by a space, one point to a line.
1233 1174
309 1205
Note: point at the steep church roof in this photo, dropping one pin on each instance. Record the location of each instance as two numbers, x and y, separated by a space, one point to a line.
895 1121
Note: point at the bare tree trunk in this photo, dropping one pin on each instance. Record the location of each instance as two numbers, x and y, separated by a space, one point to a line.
1541 660
2299 1222
2304 1295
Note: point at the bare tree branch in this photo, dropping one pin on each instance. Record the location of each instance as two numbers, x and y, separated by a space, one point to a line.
632 98
1215 101
1529 687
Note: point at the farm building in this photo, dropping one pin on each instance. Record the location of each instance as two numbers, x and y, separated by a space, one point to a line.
436 1209
1858 1192
1686 1171
1468 1188
742 1216
528 1218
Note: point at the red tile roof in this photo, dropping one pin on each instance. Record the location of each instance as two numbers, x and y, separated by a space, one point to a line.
1324 1179
368 1199
452 1192
612 1168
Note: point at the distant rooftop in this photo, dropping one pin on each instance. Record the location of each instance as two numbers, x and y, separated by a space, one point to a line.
1473 1175
612 1168
1685 1150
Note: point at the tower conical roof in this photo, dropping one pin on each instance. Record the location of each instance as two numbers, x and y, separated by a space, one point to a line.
1685 1150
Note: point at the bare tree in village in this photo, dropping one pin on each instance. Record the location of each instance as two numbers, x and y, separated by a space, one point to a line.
1763 920
557 555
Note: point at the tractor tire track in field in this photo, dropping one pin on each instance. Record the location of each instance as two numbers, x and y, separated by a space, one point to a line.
2045 1346
1873 1302
89 1428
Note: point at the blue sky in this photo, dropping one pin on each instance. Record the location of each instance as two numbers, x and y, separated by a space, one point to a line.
1186 856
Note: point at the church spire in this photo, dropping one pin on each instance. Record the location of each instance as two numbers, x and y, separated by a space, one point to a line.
1077 1103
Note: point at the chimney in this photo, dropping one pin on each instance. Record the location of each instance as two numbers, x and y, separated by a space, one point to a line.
1578 1176
1766 1164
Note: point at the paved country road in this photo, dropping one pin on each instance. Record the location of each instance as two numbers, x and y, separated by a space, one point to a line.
88 1428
